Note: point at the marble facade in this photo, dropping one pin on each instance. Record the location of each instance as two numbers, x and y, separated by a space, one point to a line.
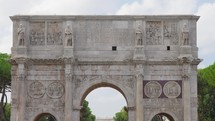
58 60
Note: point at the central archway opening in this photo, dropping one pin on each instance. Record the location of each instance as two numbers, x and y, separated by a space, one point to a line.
162 117
45 117
104 101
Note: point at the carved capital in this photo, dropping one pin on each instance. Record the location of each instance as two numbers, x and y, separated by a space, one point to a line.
22 77
139 76
185 76
185 59
68 60
20 60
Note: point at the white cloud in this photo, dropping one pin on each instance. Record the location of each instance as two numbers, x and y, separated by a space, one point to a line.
206 33
159 7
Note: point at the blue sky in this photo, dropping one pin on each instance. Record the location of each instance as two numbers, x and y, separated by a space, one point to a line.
203 8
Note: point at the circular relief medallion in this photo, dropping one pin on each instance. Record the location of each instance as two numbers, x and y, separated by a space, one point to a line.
172 89
55 90
36 90
153 89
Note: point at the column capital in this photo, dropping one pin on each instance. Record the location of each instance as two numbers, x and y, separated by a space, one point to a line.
68 60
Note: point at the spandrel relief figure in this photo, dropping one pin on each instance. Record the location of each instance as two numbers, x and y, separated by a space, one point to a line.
139 39
21 35
68 35
185 35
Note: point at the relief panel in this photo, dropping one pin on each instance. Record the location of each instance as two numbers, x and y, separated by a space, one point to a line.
37 34
170 32
54 33
153 33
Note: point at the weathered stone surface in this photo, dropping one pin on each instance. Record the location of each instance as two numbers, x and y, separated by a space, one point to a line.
58 60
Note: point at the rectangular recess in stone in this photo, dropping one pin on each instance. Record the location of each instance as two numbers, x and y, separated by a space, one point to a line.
168 48
114 48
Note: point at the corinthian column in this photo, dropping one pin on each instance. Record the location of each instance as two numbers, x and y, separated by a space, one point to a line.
21 78
139 93
68 88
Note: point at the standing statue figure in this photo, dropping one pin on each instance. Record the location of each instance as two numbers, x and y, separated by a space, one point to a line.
185 35
21 35
68 35
139 39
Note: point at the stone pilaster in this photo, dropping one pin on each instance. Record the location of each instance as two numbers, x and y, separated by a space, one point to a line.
21 81
139 92
186 76
68 88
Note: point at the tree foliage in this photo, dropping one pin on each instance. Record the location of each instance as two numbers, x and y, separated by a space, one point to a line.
86 113
5 83
206 93
122 115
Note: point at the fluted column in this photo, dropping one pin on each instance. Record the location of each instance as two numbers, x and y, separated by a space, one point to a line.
68 88
139 92
186 74
22 88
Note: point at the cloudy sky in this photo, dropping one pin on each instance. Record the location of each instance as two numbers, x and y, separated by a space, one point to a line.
203 8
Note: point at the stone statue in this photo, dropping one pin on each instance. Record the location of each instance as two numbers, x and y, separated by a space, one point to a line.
21 34
139 39
185 35
68 35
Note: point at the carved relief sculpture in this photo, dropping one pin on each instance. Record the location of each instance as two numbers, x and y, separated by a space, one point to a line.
153 33
68 36
55 90
21 35
185 35
36 90
139 40
172 89
153 89
170 32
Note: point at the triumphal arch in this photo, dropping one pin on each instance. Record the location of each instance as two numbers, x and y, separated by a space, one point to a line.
58 60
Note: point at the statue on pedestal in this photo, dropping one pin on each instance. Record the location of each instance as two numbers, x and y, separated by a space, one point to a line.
68 35
139 39
185 35
21 35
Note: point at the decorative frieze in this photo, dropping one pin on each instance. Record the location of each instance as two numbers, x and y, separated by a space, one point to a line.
162 89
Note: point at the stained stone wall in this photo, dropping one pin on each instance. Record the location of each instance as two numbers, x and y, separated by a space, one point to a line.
58 60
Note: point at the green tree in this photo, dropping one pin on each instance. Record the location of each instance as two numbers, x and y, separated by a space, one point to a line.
86 113
206 95
7 111
5 83
122 115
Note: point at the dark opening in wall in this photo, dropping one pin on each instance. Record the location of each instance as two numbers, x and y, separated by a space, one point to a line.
168 47
114 48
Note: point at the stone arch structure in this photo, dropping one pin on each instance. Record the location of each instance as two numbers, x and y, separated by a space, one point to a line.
37 118
171 116
140 56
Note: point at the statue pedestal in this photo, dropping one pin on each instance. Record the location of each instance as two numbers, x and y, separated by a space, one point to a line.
21 51
139 53
68 52
186 51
